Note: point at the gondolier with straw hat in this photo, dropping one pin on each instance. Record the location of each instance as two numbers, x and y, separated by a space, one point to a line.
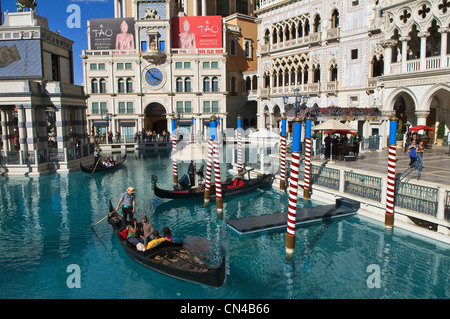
129 203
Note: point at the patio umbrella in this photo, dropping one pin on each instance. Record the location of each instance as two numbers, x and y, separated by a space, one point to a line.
191 152
264 134
420 127
333 125
341 132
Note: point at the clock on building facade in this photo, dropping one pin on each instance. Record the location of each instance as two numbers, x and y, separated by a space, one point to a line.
155 77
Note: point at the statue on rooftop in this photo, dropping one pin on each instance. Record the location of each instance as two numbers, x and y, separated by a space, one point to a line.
22 4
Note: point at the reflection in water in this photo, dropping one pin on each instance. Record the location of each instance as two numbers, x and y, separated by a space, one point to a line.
42 232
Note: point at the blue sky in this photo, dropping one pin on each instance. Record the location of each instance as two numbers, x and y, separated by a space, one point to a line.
56 13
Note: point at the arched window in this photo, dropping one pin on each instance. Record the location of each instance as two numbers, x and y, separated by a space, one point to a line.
187 85
248 84
129 85
102 86
266 80
233 49
305 74
317 23
179 85
215 84
333 73
233 84
94 86
317 73
121 86
254 82
267 36
300 30
335 19
377 66
206 84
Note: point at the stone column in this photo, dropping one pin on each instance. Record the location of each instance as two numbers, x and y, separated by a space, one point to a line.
204 11
404 52
31 127
388 45
423 48
444 32
5 132
22 127
422 117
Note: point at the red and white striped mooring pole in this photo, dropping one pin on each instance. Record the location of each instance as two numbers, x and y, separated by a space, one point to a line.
307 181
210 159
392 157
174 149
219 200
293 190
239 144
283 155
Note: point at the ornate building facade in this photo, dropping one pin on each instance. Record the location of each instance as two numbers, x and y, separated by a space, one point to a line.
359 61
43 114
144 86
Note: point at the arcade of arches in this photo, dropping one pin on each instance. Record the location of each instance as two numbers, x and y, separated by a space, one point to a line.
437 107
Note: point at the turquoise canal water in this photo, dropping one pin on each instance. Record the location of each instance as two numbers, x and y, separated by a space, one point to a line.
42 237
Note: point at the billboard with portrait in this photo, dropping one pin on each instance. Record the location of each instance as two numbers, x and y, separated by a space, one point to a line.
197 32
112 34
20 58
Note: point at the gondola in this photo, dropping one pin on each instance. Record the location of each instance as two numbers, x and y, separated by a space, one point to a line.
229 188
170 258
99 168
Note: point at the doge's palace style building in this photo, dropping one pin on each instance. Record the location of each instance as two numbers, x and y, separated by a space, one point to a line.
416 80
358 61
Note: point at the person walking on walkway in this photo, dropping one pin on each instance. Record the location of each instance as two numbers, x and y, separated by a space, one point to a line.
412 150
420 150
129 203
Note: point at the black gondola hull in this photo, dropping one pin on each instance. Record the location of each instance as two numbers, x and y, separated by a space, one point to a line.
205 274
99 169
199 192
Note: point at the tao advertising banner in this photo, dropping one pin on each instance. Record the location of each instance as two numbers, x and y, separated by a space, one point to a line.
112 34
197 32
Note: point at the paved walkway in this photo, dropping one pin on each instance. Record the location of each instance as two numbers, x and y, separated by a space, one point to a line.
436 164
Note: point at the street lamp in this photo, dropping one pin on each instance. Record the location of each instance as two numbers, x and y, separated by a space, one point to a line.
107 118
300 101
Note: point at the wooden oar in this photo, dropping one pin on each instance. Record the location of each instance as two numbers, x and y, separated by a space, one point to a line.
102 218
95 166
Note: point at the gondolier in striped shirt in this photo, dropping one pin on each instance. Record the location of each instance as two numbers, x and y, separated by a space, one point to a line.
129 203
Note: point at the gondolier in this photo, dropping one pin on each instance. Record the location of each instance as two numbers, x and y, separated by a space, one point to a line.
129 203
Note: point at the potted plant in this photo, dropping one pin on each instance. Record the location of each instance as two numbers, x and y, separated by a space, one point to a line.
399 134
440 133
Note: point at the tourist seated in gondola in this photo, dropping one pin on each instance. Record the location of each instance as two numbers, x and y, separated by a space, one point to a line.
146 230
106 162
155 242
133 233
167 233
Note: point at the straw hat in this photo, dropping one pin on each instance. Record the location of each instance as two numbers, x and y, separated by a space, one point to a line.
131 189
